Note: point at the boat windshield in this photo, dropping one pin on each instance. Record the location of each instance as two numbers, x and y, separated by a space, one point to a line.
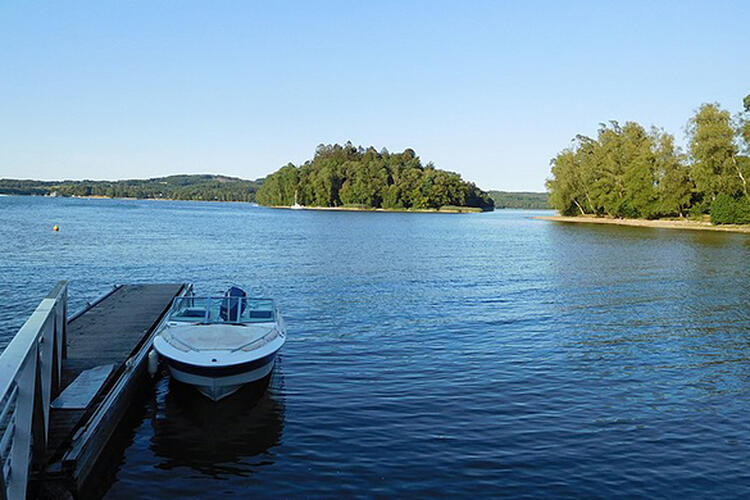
235 310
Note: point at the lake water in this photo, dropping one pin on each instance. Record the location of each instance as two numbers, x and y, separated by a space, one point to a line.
428 354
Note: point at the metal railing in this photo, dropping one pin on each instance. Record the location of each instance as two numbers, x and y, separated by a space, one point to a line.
30 372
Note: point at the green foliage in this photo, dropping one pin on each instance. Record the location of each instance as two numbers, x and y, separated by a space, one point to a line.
570 183
713 153
454 208
728 210
358 177
743 124
697 212
628 172
672 177
176 187
25 187
505 199
621 173
723 209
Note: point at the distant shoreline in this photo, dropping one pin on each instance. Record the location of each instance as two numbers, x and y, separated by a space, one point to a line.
660 224
123 198
456 210
96 197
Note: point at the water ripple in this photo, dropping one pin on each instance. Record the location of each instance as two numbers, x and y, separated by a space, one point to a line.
428 355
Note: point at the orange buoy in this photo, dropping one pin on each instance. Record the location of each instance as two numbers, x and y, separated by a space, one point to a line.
55 228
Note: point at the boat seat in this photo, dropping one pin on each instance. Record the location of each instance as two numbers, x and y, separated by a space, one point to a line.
261 314
193 313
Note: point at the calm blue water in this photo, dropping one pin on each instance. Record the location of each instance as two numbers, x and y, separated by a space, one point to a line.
429 355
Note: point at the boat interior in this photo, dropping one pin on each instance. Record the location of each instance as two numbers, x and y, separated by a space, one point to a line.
227 309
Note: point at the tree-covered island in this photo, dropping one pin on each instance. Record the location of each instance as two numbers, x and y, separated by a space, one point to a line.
630 172
355 177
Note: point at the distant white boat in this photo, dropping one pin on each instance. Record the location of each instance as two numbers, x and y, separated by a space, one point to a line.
219 344
296 205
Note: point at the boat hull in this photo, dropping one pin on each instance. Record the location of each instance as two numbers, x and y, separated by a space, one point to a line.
219 382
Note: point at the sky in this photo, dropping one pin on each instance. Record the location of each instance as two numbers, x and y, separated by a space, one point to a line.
492 90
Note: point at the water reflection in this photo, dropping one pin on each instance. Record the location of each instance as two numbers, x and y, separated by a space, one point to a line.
229 437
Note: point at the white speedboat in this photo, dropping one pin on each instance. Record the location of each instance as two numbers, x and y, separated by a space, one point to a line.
219 344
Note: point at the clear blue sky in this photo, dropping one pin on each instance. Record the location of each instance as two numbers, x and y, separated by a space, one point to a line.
112 90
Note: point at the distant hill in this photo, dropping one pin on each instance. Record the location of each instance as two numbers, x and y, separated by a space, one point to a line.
508 199
173 187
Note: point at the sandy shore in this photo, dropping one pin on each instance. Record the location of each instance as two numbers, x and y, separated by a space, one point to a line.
662 224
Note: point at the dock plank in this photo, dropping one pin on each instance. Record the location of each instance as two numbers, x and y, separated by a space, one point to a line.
107 333
112 329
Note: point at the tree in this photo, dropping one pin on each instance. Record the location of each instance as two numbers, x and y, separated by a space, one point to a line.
624 172
714 154
639 173
563 192
745 124
673 185
743 137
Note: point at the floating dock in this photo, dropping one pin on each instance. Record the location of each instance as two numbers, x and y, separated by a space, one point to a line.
66 383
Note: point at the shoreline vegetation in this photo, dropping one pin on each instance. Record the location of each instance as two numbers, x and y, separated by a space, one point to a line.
441 210
695 225
338 177
444 209
628 172
348 175
174 187
520 199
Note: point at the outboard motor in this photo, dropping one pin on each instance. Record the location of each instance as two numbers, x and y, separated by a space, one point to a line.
233 306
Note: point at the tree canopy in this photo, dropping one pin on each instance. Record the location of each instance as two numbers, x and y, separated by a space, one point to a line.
354 176
627 171
528 200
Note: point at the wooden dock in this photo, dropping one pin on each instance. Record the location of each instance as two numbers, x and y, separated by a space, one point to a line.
62 412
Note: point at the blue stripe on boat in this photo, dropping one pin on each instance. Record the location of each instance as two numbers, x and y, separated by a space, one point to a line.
221 371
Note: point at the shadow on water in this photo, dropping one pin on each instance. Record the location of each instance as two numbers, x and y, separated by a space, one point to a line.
228 437
104 474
